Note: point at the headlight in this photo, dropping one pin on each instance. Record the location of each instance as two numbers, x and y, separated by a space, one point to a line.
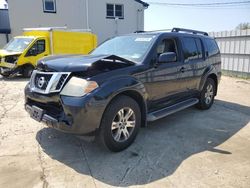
77 87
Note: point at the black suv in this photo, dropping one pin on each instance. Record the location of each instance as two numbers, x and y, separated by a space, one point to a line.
126 82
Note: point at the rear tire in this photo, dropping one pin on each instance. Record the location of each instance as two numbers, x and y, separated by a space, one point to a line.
207 95
120 123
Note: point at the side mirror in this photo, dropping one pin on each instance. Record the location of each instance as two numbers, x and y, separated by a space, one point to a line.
167 57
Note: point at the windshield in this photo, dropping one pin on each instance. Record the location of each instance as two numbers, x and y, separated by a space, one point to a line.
132 48
18 44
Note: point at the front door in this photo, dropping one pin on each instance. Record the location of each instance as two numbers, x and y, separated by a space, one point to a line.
163 81
37 51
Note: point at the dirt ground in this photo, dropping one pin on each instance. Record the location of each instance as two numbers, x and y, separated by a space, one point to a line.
191 148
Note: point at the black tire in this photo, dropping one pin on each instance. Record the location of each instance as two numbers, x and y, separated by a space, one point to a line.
27 71
204 102
120 103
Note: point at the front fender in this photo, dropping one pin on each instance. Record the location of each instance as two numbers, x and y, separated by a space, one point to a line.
127 85
114 87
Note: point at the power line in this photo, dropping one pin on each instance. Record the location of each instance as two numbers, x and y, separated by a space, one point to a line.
216 4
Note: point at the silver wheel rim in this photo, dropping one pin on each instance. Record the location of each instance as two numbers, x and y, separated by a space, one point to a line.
209 94
123 124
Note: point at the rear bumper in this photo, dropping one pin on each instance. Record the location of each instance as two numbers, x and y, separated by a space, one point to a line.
75 115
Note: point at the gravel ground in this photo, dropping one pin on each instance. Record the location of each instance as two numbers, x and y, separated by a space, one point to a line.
191 148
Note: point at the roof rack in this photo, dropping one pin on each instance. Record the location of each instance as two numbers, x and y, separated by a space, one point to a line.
175 29
139 31
189 31
153 31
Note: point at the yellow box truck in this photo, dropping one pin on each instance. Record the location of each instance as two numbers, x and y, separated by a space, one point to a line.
20 55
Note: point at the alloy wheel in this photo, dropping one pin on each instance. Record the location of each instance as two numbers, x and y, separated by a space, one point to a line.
209 94
123 124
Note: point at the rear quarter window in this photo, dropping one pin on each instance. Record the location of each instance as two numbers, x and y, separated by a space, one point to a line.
212 47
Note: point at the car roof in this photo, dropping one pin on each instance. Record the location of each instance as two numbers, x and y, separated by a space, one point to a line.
172 34
175 32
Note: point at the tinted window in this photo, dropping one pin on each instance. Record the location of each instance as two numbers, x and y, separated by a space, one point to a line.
190 49
115 11
119 11
110 10
49 6
38 48
199 48
211 47
167 45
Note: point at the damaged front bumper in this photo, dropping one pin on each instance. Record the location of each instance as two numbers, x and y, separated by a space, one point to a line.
76 115
7 68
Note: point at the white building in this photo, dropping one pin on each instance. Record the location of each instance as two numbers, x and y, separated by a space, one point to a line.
4 27
106 18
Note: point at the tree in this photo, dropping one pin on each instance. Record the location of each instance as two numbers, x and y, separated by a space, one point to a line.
243 26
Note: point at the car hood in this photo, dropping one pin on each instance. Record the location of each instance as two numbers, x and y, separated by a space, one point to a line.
75 63
4 53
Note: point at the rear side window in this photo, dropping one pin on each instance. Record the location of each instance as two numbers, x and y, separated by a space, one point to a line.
212 48
190 49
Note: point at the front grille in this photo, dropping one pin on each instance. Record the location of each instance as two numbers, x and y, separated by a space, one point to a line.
61 81
52 108
48 82
42 80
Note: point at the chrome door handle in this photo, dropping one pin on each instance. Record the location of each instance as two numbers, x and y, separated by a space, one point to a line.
182 69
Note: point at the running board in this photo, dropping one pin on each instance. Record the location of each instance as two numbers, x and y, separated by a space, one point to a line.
171 109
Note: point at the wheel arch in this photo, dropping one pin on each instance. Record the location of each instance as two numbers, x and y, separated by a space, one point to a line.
215 79
28 64
210 72
140 101
138 97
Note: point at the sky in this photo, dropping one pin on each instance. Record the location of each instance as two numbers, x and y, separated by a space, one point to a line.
2 2
206 19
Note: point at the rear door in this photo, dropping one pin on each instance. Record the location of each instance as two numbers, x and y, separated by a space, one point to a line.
192 55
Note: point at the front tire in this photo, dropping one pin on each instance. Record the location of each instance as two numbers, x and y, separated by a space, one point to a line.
27 71
207 95
120 123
